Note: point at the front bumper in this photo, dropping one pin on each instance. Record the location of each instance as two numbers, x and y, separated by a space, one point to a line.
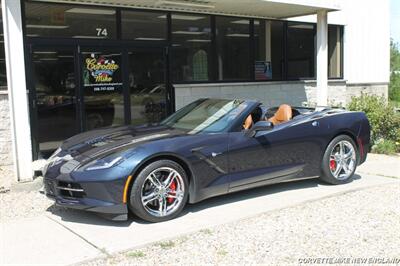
99 197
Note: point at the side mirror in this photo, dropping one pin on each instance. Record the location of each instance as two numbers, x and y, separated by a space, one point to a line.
259 126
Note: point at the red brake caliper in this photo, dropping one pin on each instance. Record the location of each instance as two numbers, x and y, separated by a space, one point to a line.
332 164
173 188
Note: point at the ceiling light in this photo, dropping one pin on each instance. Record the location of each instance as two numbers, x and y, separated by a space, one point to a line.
88 37
242 21
244 35
92 11
44 52
189 32
301 26
34 26
245 22
198 40
149 39
182 17
185 4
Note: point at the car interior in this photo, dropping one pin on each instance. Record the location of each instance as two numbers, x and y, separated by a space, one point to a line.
276 115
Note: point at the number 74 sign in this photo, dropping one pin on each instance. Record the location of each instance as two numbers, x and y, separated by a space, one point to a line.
101 31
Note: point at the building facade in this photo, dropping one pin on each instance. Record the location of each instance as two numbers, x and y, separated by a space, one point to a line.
70 66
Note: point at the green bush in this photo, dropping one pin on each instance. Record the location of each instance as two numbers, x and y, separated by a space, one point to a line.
384 120
385 147
394 85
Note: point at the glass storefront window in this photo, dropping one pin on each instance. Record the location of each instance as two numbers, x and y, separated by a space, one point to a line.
72 21
268 40
300 50
3 73
55 90
233 45
147 86
191 47
144 26
335 51
102 85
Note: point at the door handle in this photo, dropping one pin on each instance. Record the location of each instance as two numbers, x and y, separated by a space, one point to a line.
315 123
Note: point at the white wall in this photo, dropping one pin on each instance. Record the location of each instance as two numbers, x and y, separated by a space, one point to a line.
366 40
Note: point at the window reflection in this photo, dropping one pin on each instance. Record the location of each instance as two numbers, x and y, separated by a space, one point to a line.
191 44
55 97
144 26
147 86
75 21
268 38
3 74
233 44
102 85
300 51
335 51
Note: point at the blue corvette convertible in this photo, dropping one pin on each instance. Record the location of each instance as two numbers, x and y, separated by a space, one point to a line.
208 148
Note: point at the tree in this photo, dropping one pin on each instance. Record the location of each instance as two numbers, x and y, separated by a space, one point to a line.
394 86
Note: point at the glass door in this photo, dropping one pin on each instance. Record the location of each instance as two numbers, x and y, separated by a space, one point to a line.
102 88
147 85
54 97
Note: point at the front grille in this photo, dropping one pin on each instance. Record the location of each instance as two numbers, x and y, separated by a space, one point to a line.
70 190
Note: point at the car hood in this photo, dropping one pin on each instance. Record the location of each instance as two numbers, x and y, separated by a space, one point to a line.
100 142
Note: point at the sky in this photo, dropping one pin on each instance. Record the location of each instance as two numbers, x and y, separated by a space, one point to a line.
395 20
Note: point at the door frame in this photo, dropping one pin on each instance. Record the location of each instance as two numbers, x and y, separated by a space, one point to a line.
76 45
31 84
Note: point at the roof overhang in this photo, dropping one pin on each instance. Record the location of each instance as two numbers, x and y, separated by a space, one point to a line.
274 9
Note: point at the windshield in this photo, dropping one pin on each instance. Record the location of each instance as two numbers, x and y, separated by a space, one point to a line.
206 115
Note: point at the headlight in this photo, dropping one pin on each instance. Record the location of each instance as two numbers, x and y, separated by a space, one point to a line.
55 154
104 163
50 160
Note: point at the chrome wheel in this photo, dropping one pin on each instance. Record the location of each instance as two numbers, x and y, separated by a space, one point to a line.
342 160
162 192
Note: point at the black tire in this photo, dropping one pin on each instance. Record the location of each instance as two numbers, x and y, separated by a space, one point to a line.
327 176
135 200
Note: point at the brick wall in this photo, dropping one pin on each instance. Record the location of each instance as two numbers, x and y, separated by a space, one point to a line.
6 158
270 93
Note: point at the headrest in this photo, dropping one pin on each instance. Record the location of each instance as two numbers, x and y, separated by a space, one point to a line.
284 113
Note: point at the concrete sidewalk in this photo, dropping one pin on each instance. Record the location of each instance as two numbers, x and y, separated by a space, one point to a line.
382 165
71 237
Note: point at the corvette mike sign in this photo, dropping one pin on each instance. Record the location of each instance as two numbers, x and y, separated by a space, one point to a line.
102 72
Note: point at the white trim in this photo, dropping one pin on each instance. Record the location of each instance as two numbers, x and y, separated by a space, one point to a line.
322 58
17 93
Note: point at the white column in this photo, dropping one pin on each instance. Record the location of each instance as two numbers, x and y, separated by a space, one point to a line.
322 58
17 90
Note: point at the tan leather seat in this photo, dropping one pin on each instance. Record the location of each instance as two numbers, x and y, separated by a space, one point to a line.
248 122
283 114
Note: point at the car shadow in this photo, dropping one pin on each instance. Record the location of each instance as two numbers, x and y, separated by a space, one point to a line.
83 217
258 192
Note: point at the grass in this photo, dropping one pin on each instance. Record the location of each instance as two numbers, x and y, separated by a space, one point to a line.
222 252
206 231
167 244
183 239
136 254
